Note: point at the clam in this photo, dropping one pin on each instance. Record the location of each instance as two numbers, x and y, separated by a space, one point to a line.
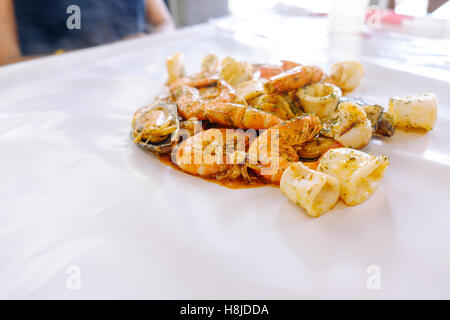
156 127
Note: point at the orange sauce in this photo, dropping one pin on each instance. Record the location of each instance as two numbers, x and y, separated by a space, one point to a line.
239 183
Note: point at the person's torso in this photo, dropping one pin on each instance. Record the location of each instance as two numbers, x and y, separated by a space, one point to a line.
42 25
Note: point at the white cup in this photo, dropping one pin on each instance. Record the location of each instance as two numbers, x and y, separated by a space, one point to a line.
348 16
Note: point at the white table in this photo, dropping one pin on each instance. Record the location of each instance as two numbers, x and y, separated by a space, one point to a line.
77 197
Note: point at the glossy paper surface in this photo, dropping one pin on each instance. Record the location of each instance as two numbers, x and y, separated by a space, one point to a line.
78 198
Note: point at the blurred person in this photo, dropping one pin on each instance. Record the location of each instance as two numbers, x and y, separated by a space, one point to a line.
30 28
432 5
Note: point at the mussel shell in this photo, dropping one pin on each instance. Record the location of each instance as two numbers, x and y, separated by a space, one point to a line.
374 113
386 126
313 149
382 122
159 148
165 146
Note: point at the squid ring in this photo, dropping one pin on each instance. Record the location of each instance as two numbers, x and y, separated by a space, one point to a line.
319 99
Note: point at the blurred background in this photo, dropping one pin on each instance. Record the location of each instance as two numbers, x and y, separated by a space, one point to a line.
188 12
30 29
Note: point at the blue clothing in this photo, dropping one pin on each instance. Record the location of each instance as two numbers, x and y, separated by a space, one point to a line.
42 27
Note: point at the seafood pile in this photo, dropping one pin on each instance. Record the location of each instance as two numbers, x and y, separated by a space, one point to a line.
243 124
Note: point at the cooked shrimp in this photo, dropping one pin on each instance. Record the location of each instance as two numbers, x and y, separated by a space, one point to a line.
214 152
276 148
288 65
198 80
268 71
226 109
294 79
203 154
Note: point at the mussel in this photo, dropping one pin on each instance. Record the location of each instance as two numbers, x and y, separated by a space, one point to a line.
386 125
382 122
156 127
313 149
